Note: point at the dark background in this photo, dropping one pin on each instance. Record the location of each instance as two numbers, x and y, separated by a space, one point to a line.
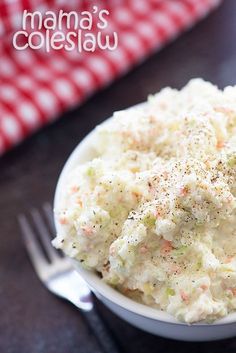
31 319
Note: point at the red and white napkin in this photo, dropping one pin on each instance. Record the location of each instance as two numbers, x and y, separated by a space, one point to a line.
37 86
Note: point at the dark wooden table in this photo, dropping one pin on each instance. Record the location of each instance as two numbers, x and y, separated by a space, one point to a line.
31 319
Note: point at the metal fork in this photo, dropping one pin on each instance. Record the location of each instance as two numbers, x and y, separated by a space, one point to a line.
57 274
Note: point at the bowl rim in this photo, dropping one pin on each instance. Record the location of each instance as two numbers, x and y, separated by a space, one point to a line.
96 284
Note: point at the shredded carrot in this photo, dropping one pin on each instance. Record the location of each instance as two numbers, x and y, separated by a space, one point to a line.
127 291
87 230
223 110
152 190
175 269
184 191
74 189
63 220
230 199
166 247
159 212
112 250
135 194
220 144
79 202
233 290
165 175
143 249
229 259
207 163
184 296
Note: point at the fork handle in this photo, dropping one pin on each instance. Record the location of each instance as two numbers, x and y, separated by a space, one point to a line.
102 333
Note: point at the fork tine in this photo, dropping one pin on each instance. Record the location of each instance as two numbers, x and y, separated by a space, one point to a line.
34 251
48 211
44 235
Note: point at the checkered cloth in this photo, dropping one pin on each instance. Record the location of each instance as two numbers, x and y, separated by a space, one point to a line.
37 86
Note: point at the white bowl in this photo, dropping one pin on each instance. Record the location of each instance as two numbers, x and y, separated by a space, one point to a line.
146 318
